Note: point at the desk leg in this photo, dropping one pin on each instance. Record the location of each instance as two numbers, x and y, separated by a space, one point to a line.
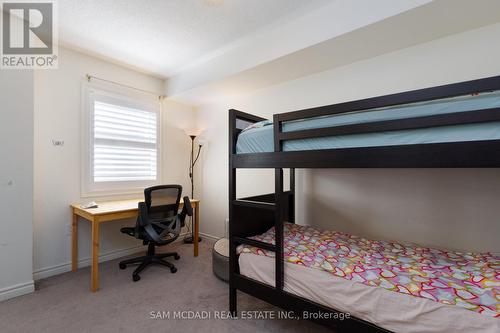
196 228
94 279
74 243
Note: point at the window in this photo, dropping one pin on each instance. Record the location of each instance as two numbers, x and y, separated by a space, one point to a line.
121 150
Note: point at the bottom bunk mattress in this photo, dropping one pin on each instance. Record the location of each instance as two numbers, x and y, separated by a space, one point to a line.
309 273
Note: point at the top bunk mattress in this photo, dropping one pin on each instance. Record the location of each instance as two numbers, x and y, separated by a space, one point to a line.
259 138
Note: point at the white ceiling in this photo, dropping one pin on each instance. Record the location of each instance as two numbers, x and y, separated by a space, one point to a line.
208 49
164 36
387 34
266 47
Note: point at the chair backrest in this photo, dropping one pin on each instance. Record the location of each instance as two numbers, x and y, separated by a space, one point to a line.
163 200
158 220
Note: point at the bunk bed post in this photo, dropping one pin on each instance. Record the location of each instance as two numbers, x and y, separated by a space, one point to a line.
232 197
278 228
291 201
278 222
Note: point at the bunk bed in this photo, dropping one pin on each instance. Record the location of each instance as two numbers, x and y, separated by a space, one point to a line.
450 126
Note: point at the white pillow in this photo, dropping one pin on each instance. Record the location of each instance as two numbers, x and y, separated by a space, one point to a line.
258 125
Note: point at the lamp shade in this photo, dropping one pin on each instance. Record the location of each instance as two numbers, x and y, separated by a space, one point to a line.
193 131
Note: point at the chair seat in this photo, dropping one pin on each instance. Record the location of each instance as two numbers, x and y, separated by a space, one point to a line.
132 232
128 230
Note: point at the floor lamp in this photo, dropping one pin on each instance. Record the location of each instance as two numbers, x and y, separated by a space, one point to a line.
192 133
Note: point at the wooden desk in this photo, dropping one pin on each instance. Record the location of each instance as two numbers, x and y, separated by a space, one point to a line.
109 211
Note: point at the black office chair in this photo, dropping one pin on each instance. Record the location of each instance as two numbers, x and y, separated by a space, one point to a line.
158 224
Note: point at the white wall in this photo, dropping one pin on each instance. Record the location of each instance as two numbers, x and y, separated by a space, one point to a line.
57 169
16 183
454 209
448 208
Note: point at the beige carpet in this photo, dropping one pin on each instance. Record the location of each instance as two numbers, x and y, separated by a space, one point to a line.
63 303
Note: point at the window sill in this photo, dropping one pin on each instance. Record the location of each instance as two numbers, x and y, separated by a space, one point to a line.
96 194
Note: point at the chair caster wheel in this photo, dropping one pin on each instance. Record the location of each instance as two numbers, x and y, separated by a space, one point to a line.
177 257
136 278
173 270
123 266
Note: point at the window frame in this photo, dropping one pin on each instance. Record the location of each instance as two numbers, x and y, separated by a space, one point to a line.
123 97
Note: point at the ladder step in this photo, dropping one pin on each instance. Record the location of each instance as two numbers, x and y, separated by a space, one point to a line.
254 204
256 243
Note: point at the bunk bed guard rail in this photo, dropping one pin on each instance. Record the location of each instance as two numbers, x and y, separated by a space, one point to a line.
456 154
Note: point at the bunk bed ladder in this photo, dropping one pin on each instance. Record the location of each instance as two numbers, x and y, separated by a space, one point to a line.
265 210
278 228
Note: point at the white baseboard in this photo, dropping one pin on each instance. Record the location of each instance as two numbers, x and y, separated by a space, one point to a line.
46 272
211 237
66 267
17 290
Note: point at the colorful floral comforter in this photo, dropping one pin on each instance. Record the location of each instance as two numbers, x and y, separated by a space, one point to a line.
469 280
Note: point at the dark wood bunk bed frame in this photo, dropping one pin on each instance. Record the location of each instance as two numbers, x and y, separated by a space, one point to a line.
255 215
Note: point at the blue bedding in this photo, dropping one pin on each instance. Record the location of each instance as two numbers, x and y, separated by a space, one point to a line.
259 137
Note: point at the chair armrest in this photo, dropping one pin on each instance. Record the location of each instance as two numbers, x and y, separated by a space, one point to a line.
187 209
143 214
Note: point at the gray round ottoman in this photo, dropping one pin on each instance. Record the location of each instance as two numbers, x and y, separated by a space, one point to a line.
220 259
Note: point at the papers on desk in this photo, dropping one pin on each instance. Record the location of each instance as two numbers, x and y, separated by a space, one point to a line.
89 205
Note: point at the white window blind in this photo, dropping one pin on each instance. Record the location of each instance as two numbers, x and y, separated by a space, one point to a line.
125 146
